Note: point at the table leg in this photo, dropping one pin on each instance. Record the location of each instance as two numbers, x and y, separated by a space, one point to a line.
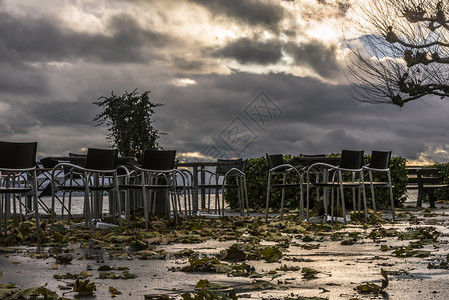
326 192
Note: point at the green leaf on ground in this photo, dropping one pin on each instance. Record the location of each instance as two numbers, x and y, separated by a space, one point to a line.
309 273
373 288
404 252
84 287
35 292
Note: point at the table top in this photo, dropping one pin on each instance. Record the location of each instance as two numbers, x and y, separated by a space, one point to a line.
121 159
197 164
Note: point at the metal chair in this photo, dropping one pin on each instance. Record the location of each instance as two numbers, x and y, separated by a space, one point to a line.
278 168
351 162
184 188
156 173
99 174
379 163
18 177
227 170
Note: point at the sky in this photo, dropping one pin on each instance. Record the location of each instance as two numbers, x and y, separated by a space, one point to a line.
236 78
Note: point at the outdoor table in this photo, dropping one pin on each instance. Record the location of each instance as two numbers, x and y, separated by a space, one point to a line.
43 187
195 167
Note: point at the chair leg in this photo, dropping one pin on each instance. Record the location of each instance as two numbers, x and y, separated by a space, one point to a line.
284 180
333 192
119 214
239 196
307 197
370 173
354 206
223 191
36 212
301 198
145 207
392 203
175 206
364 201
342 195
7 209
217 201
1 213
208 201
268 197
246 195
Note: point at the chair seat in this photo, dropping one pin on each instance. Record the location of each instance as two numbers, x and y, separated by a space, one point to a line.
149 187
287 185
82 188
336 184
377 183
434 186
218 186
14 190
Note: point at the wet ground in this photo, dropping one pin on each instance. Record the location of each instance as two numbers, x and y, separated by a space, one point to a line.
413 251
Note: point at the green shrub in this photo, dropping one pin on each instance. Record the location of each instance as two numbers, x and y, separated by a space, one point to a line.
443 170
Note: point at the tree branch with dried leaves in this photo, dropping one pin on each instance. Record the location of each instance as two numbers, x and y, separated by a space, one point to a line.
402 50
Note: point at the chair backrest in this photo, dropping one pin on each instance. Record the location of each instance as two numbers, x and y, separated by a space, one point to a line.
380 159
224 165
79 163
47 162
159 159
312 155
351 159
17 155
274 160
101 159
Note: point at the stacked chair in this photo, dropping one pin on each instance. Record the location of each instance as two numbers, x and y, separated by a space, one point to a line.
351 164
18 178
99 174
228 175
156 174
278 168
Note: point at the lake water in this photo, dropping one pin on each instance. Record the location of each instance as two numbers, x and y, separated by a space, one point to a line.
78 204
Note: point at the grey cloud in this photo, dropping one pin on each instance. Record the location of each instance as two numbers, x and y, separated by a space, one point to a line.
36 39
16 79
253 12
187 65
318 56
246 50
317 117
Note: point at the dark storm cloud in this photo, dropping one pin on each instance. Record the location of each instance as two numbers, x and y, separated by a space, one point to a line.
317 56
246 50
252 12
317 117
307 104
21 80
54 113
36 39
